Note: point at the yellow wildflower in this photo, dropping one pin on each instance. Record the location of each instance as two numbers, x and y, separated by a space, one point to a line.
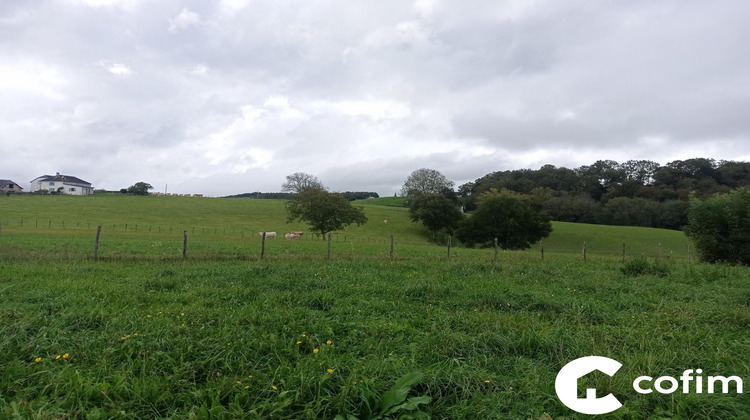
274 387
299 342
487 381
315 351
329 342
65 355
58 356
38 359
330 370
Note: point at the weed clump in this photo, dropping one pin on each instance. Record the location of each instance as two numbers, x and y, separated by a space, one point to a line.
641 266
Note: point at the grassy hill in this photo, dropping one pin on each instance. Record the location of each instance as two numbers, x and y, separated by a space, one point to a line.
220 226
142 334
569 237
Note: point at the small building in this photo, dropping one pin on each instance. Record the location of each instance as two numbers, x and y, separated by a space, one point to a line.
64 184
8 186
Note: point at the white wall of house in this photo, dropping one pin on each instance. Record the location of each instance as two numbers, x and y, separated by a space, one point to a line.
36 185
68 188
76 189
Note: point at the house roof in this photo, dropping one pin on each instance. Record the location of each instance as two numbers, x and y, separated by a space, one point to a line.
6 182
62 178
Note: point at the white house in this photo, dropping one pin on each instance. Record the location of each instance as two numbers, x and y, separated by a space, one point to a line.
65 184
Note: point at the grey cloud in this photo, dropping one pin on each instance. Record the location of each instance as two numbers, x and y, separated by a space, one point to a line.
489 85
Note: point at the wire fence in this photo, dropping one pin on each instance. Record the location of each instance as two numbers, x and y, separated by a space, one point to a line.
85 239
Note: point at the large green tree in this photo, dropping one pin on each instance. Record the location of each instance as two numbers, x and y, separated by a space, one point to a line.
426 181
323 211
435 211
507 216
139 188
720 227
300 181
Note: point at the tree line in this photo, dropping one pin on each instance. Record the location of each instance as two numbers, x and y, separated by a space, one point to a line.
633 193
501 217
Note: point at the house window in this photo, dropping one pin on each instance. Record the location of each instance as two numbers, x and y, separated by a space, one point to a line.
51 190
11 186
51 183
71 189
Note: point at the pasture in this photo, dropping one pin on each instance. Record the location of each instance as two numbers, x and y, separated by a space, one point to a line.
152 228
142 334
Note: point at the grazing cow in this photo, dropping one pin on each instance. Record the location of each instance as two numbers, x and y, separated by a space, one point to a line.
268 234
292 236
298 233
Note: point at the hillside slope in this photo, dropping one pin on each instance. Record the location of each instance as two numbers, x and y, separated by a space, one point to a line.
48 215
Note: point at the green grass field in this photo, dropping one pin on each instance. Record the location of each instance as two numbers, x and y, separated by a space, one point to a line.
152 227
142 334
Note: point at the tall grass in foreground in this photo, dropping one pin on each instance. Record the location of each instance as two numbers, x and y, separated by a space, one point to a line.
309 338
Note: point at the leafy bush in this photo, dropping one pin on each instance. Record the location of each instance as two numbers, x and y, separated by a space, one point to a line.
720 227
435 211
507 216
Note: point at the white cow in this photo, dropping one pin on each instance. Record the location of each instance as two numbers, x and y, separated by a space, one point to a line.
291 236
268 234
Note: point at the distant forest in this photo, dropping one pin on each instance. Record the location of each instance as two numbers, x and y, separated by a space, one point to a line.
633 193
350 195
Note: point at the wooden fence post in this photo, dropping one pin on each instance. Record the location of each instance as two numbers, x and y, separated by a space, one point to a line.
329 245
623 252
184 244
391 246
584 250
541 248
96 243
495 259
263 245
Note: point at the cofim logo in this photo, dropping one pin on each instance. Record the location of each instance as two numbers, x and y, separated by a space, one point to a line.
566 384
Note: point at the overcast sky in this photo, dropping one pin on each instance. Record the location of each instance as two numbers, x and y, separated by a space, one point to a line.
228 96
